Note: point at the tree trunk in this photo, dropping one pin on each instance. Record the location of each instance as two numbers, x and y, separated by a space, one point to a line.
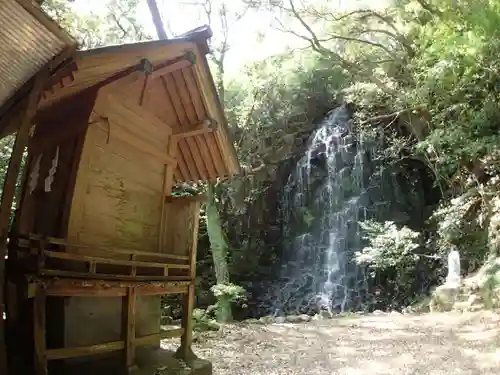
219 248
155 15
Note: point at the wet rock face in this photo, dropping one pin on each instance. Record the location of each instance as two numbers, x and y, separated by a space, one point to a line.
335 185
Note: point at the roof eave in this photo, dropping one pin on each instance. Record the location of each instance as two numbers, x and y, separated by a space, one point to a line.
200 36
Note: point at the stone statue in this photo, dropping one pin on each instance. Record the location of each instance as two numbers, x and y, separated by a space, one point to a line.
445 296
453 276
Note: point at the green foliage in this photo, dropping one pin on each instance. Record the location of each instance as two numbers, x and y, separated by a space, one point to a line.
454 76
422 76
227 294
389 246
203 322
117 24
231 292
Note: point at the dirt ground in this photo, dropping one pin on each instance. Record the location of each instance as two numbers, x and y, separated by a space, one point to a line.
432 344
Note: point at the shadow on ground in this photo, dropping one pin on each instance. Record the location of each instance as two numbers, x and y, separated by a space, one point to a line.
432 344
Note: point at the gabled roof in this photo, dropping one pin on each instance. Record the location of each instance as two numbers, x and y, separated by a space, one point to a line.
29 40
171 77
166 83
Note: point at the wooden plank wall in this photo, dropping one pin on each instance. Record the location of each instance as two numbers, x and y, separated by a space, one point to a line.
181 220
119 189
64 129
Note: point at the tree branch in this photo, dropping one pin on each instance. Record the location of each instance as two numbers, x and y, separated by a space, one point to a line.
118 23
428 7
391 116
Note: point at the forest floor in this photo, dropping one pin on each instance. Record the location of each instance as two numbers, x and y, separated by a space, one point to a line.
430 344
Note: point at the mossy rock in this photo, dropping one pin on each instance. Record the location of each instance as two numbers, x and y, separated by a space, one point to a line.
444 298
269 319
487 283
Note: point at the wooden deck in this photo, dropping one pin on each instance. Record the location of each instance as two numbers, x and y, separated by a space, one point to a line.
48 270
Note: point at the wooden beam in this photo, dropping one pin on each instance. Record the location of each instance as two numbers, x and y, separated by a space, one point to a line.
83 351
8 195
166 173
119 262
173 149
137 253
202 198
17 104
128 328
105 276
215 110
153 339
97 288
39 326
185 352
204 127
65 72
168 182
121 85
159 72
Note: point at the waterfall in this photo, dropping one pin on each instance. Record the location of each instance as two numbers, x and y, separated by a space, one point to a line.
324 199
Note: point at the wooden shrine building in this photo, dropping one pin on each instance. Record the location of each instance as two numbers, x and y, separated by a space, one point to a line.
97 236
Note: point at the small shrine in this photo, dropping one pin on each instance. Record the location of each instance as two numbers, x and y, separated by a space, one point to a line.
97 236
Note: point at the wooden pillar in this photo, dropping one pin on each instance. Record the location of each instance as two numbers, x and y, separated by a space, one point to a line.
185 352
128 327
9 191
168 181
39 327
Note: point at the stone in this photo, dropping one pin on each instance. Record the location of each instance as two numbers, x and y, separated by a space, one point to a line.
444 298
395 313
164 362
267 319
280 320
253 321
293 319
378 312
326 314
305 317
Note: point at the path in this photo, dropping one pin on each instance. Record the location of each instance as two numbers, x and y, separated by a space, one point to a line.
436 344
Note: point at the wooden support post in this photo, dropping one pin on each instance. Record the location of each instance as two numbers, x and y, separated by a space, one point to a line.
168 181
128 328
39 324
8 195
185 352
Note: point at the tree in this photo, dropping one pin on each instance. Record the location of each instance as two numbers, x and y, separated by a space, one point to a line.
155 15
225 291
118 24
360 41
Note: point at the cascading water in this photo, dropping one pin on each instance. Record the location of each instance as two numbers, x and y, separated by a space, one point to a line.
324 199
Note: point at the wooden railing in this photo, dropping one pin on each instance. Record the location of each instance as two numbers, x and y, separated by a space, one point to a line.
128 290
82 351
37 255
54 267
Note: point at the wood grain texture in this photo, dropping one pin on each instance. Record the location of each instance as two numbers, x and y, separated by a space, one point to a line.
129 323
119 188
9 191
39 326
